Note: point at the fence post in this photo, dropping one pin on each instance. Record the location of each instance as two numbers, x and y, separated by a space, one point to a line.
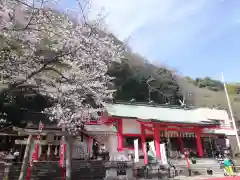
169 172
158 174
189 172
176 172
25 163
145 172
69 157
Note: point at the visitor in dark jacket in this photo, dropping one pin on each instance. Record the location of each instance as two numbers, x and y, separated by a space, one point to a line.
95 149
147 147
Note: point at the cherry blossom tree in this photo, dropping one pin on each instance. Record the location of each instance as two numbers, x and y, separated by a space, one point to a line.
65 59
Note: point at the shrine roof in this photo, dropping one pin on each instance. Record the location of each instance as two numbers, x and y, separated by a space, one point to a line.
164 114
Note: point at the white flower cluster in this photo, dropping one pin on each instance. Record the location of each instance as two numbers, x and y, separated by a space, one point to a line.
68 61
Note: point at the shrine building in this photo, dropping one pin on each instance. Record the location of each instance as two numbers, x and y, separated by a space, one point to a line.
198 129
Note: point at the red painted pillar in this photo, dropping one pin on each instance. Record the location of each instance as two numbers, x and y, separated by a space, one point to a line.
180 141
157 140
120 134
199 143
89 144
144 148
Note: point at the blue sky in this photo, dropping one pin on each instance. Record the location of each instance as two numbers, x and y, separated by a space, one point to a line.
196 37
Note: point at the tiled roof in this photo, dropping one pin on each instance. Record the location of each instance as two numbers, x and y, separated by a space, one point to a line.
214 113
157 113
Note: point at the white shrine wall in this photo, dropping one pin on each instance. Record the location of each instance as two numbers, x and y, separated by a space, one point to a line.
131 126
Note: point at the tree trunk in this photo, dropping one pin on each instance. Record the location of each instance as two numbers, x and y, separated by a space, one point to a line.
68 157
25 163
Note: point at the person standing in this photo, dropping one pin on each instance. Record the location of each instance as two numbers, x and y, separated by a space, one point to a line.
147 146
227 142
95 149
228 166
227 146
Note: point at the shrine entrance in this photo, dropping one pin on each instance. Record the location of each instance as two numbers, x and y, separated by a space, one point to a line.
158 129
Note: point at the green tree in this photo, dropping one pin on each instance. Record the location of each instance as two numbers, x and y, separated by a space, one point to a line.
131 83
23 105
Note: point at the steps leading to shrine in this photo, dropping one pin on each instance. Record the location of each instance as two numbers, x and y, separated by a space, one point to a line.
2 170
201 166
14 171
84 170
46 171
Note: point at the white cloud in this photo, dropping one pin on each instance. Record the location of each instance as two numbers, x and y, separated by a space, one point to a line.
126 16
151 21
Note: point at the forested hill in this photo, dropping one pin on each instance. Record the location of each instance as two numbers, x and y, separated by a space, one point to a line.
133 74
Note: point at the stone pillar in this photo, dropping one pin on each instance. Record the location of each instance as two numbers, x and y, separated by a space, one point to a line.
233 144
25 163
68 140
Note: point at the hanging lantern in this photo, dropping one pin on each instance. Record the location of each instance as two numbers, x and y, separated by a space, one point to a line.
49 150
180 134
175 134
161 134
184 134
55 151
168 134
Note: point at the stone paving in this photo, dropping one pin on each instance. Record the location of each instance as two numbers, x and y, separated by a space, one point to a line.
202 177
205 177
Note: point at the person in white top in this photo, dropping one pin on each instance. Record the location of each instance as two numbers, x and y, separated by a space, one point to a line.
102 148
16 155
227 143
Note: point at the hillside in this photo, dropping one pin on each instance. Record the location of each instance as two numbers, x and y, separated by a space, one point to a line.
131 82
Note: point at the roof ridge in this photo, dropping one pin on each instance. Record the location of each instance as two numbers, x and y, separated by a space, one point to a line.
154 105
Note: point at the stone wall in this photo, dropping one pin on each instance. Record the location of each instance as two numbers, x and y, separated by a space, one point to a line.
234 145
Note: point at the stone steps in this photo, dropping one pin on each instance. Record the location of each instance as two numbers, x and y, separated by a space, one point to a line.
46 171
201 166
15 170
84 170
2 167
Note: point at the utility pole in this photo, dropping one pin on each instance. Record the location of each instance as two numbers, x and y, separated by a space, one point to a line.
231 113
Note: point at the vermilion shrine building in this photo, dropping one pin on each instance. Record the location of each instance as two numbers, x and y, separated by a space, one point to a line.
199 129
181 128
